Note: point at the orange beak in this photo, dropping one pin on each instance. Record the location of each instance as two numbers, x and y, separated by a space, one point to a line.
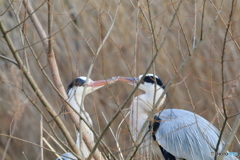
129 80
100 83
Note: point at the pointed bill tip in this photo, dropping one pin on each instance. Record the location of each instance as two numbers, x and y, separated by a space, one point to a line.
129 80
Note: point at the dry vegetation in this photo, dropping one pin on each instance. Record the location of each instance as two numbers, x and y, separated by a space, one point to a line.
205 31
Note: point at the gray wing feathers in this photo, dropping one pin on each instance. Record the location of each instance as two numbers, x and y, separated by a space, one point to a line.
187 135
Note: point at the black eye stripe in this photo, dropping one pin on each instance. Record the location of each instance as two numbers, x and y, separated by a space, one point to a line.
76 82
151 79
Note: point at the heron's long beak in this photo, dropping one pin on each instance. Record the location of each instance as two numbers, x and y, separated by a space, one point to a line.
100 83
129 80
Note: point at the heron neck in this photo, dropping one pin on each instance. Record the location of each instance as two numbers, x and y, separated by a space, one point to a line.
141 107
138 116
76 102
151 97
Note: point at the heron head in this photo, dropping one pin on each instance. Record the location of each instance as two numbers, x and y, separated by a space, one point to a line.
77 86
148 83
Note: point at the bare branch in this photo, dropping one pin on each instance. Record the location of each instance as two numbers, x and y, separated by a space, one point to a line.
25 141
204 2
8 59
94 147
223 84
37 90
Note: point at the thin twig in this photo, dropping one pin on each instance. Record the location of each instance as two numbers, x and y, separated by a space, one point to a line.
223 81
230 33
7 9
203 11
41 137
45 119
25 141
53 66
94 147
139 139
21 29
174 76
9 59
117 144
10 139
181 26
195 24
37 90
27 17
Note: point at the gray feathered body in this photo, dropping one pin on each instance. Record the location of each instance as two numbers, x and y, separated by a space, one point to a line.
187 135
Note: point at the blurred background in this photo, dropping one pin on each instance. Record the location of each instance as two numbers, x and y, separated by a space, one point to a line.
79 27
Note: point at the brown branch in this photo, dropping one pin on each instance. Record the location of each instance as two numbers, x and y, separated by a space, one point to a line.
140 135
203 11
19 24
55 74
25 141
36 89
50 53
138 141
45 119
9 59
94 146
223 86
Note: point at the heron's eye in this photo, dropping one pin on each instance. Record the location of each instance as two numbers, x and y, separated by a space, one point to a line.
76 83
79 82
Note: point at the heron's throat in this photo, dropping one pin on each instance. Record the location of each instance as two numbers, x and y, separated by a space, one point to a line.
141 107
138 117
151 98
76 102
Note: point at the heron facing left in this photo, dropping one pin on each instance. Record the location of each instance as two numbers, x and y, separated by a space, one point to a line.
176 133
76 91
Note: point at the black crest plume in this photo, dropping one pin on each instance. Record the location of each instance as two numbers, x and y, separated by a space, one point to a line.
152 79
75 82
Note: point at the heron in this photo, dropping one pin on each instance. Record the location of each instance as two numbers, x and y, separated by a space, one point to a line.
179 134
76 91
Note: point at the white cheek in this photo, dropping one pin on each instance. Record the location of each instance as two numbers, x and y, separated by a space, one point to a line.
147 86
80 91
